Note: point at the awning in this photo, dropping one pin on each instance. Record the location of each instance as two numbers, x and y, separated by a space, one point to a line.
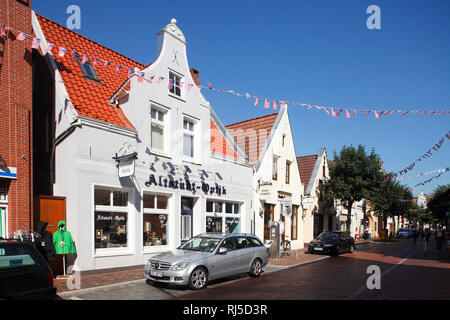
8 173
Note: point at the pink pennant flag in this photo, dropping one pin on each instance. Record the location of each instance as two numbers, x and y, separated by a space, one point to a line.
256 101
377 115
74 56
347 113
431 113
366 113
118 68
338 113
96 61
266 103
84 59
150 79
210 86
49 47
170 84
354 112
130 72
275 105
62 52
35 44
197 88
181 84
106 64
160 79
190 86
21 36
247 95
141 77
238 94
405 112
333 113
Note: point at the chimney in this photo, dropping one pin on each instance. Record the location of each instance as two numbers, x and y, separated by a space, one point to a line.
195 76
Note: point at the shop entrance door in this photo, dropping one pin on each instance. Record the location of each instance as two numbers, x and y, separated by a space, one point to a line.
268 218
187 207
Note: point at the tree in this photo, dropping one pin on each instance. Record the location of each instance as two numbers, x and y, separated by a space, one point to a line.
390 199
440 190
354 175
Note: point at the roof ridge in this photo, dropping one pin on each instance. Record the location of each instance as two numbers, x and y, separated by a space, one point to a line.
248 120
97 43
312 155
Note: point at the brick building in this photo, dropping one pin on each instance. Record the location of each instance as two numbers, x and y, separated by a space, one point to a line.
16 155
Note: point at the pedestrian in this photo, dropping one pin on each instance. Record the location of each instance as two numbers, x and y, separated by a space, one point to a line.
426 239
439 239
414 235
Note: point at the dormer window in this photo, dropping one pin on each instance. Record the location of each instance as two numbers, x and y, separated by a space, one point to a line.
174 84
88 70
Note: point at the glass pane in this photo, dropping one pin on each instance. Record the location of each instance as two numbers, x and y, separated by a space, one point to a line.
185 228
232 225
102 197
154 113
187 204
15 257
218 207
237 208
213 224
111 229
160 116
228 208
209 206
157 137
120 199
155 229
162 202
149 201
188 146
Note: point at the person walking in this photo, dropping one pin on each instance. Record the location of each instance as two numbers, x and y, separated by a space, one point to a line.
426 239
439 240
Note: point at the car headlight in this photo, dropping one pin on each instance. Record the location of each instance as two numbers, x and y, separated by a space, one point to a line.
180 266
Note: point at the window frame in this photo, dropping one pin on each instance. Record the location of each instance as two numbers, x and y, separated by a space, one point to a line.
162 124
275 168
190 133
155 211
83 67
223 214
172 91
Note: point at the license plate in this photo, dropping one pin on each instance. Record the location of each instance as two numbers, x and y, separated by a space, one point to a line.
318 249
157 274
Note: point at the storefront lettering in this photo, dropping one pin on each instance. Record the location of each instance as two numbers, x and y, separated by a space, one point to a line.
185 184
110 218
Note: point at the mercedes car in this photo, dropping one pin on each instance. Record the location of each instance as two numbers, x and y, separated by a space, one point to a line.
208 257
332 243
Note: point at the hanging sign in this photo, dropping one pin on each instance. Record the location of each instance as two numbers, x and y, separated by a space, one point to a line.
126 168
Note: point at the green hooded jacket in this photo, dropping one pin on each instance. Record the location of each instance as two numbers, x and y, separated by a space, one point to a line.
62 240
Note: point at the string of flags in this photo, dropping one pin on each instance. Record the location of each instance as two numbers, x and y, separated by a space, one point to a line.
421 174
267 103
433 178
427 155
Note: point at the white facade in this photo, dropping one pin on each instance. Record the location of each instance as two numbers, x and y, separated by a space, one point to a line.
146 210
356 219
312 197
272 193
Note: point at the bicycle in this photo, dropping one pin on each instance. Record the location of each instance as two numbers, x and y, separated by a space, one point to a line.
286 247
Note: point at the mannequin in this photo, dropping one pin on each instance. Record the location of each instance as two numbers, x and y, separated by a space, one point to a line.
62 240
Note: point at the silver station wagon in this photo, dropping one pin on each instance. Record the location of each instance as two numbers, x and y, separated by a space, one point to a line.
207 257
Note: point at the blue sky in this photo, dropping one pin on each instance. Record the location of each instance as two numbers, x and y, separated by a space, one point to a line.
313 52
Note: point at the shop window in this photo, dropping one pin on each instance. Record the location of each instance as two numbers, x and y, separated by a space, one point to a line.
275 168
213 224
220 214
155 220
232 225
111 218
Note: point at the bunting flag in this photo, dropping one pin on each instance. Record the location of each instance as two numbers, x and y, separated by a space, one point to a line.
36 43
180 85
96 61
141 77
131 72
266 103
433 178
275 105
160 79
190 86
334 111
62 51
171 84
421 174
426 155
84 59
21 36
49 47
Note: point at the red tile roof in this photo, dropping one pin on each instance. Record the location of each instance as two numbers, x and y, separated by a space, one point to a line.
89 98
219 144
306 167
262 126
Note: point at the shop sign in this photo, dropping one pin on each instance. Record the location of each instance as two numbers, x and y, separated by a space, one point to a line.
286 207
126 168
185 184
308 201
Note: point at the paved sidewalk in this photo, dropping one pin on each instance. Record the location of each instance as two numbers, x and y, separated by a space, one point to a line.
99 278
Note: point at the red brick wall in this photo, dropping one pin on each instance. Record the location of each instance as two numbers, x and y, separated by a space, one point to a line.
16 110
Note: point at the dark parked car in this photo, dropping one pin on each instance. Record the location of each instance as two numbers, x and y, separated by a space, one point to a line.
24 273
332 243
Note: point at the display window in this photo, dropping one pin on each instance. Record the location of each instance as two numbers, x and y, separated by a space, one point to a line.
155 220
222 216
111 218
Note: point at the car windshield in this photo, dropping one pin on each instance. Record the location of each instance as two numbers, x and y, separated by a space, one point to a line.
201 244
328 236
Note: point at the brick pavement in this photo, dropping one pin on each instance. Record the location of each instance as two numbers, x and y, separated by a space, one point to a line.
99 278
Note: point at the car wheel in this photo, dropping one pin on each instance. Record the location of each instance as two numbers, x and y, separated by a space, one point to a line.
198 279
256 268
